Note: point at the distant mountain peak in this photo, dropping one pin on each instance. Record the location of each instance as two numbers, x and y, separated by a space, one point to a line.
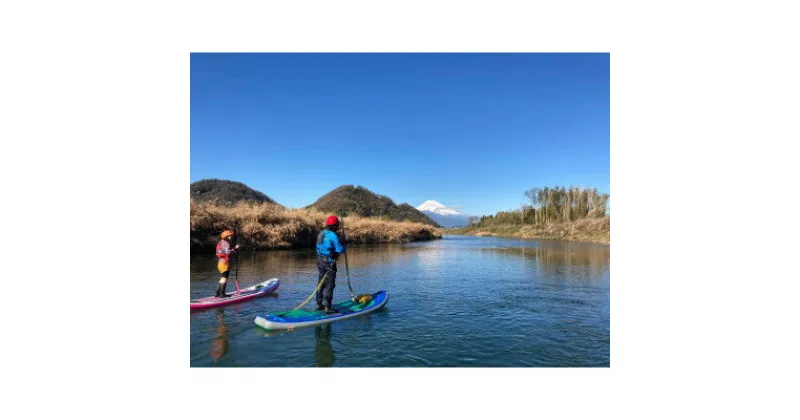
434 206
445 216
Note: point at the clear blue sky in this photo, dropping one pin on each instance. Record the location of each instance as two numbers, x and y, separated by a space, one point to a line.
473 130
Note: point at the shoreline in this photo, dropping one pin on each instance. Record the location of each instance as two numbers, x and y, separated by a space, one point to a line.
199 247
577 241
596 231
266 226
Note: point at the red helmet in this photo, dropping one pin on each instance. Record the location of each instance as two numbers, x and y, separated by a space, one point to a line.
331 220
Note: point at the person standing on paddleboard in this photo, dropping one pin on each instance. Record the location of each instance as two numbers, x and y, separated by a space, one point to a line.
328 249
224 254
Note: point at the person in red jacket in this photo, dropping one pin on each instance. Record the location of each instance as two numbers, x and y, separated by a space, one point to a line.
224 254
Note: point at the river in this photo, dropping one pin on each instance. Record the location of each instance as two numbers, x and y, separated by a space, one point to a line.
459 301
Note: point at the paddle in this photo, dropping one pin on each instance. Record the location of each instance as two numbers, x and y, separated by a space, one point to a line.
347 266
236 272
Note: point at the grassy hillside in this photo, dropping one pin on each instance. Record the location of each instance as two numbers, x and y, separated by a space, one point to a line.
226 192
357 200
266 226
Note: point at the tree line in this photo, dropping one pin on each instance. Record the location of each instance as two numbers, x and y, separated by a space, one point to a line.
552 205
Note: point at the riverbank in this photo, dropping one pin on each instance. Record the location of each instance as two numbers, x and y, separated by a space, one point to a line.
584 230
268 226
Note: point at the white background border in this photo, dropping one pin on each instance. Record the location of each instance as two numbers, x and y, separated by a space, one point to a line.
95 131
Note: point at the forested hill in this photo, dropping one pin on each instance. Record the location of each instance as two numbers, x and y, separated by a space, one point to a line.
226 192
349 199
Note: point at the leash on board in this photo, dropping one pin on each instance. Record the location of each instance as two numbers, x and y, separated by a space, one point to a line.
361 299
311 295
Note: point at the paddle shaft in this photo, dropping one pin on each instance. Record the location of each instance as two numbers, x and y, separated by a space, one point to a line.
236 252
347 266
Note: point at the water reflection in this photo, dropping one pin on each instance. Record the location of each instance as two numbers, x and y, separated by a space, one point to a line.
429 259
288 263
360 256
323 350
220 343
561 260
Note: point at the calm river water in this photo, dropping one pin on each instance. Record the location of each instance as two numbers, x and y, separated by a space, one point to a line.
459 301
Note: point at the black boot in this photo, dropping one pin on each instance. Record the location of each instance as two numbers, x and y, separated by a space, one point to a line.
219 286
331 311
222 288
319 308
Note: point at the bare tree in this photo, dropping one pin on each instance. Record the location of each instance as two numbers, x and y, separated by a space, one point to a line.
534 195
556 204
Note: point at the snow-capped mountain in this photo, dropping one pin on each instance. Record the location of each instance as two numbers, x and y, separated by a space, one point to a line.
436 207
443 215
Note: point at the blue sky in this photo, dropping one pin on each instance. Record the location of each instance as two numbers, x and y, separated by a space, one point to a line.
470 130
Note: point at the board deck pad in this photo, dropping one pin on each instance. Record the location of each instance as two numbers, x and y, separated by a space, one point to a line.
260 289
233 295
346 308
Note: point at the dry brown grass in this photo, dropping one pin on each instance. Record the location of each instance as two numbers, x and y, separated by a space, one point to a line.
585 230
267 226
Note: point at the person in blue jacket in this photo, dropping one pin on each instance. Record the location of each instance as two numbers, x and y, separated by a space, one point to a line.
328 250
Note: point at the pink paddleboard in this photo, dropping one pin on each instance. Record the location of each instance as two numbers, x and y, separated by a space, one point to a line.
252 292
